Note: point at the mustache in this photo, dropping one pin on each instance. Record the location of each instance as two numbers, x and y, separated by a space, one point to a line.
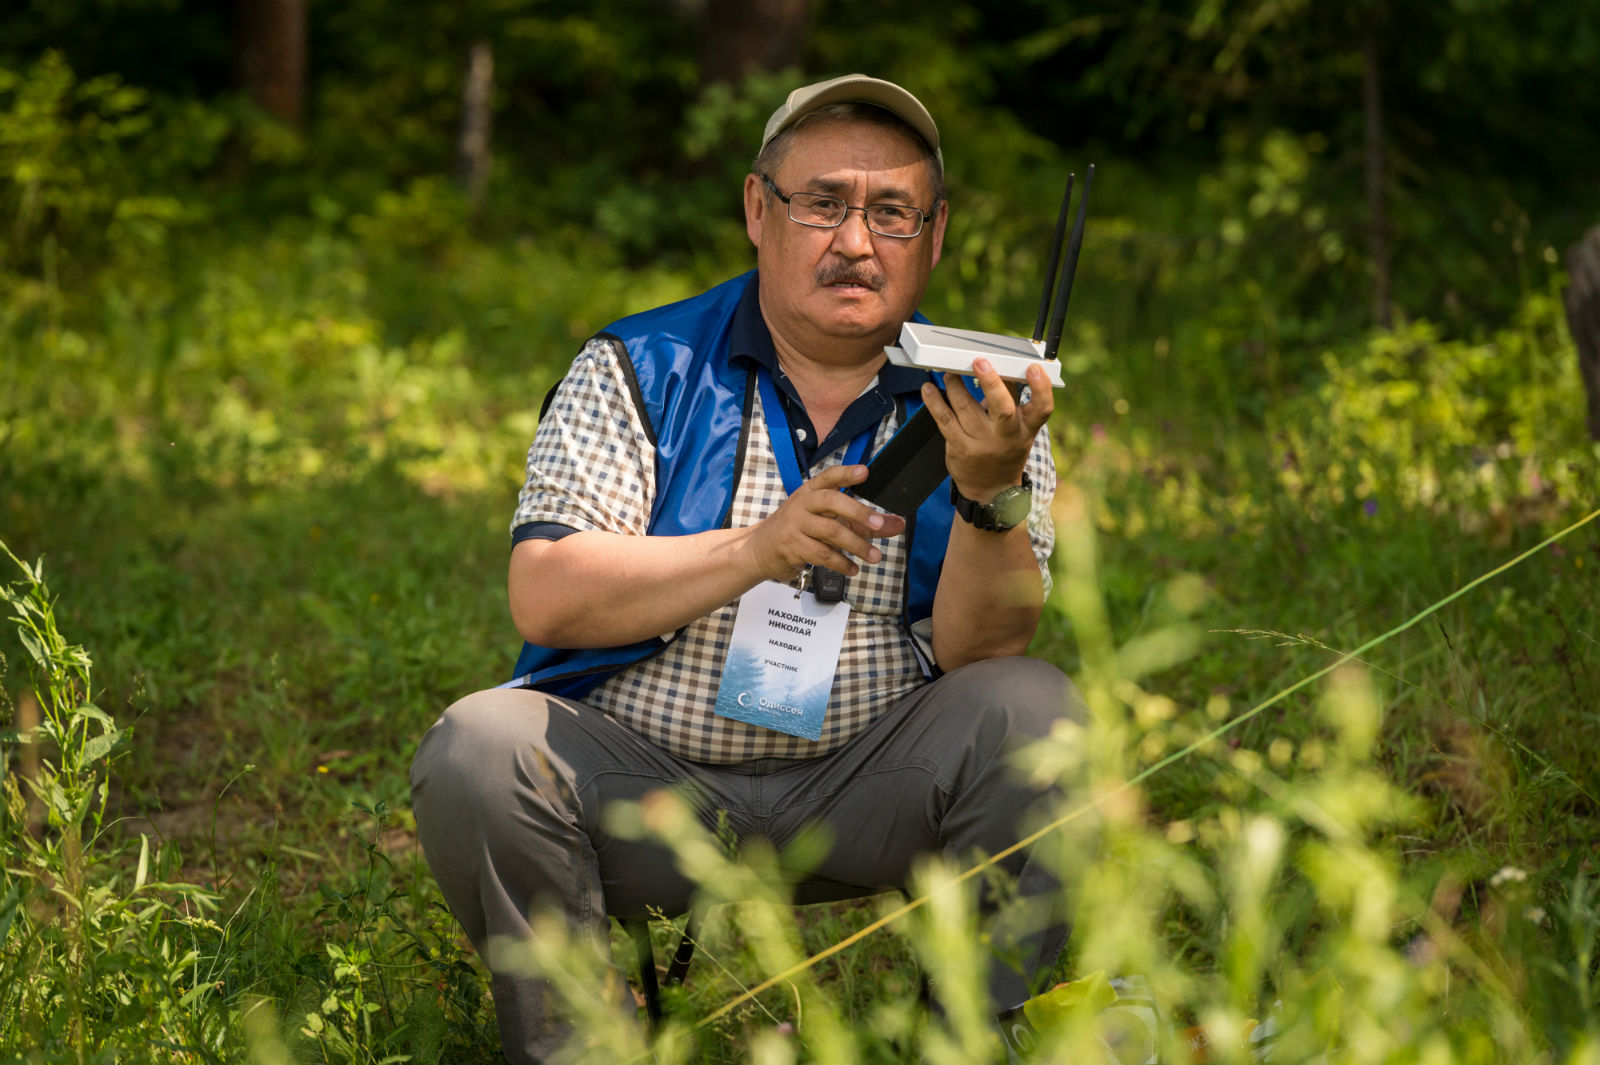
855 275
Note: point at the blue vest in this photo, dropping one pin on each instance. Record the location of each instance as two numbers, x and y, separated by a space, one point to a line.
697 408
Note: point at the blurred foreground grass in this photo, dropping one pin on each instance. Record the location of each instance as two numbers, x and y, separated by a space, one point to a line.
270 478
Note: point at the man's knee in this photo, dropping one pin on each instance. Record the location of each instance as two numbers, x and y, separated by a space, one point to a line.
1024 696
481 749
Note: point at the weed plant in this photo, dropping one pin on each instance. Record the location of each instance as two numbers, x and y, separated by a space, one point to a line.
93 953
107 954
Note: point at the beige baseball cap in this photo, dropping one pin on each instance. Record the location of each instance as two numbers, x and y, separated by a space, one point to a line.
855 88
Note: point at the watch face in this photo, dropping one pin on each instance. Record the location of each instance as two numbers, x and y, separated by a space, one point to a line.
1005 511
1011 507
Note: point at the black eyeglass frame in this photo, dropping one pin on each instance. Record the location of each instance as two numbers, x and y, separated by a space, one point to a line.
922 216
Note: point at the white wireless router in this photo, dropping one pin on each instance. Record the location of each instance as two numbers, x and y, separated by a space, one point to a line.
937 347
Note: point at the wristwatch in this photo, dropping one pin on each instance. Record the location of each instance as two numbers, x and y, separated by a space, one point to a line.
1006 511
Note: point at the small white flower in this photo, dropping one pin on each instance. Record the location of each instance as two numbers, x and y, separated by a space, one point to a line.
1535 914
1508 875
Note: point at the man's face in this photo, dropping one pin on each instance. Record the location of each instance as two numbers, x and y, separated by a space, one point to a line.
846 284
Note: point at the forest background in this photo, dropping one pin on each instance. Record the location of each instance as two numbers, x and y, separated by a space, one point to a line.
282 285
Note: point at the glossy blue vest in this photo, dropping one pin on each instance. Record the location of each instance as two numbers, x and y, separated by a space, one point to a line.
697 410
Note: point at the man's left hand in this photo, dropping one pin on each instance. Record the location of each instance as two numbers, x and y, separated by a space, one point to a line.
986 444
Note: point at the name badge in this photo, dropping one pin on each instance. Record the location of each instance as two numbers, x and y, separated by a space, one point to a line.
782 658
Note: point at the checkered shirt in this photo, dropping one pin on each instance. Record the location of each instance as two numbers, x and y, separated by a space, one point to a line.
592 467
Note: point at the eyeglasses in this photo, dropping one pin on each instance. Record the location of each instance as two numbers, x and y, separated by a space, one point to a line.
829 212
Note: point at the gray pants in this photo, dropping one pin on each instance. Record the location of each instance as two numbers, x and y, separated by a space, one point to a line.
509 789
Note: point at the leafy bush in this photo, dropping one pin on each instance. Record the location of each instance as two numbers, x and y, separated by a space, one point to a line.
87 168
1417 420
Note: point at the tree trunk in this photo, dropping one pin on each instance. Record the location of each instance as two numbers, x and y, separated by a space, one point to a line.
473 153
743 36
269 51
1377 203
1582 299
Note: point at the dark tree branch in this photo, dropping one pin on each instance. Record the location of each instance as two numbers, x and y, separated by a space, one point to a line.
270 56
473 151
1377 204
743 36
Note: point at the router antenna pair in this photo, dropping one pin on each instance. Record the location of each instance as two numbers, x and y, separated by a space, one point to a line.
1063 292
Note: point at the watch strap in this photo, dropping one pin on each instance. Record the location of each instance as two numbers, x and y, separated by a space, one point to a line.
997 515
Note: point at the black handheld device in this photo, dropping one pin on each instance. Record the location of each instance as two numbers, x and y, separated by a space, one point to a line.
907 469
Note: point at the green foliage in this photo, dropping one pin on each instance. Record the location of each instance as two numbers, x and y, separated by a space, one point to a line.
1411 410
103 962
80 165
334 394
92 958
309 445
605 124
264 395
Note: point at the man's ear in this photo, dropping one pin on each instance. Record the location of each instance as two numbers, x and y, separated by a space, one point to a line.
940 218
755 208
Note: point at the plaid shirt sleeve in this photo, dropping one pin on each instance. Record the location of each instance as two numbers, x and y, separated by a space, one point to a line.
1041 526
591 466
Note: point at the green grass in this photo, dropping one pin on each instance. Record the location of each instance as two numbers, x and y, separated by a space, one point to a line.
269 475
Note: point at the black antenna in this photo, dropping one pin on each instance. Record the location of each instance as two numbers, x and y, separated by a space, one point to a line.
1055 261
1065 291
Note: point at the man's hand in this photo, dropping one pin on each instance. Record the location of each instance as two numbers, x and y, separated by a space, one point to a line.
989 597
819 525
986 445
